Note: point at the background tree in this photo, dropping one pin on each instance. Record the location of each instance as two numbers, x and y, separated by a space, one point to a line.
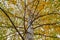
29 20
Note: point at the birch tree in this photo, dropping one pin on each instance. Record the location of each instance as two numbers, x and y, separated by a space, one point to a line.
29 19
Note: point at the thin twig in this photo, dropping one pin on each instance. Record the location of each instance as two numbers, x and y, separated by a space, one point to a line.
46 24
43 16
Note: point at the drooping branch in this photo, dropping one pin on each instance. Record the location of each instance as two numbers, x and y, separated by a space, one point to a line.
12 23
46 24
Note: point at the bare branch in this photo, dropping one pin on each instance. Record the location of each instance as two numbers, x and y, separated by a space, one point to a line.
24 15
46 24
36 6
43 16
32 14
12 23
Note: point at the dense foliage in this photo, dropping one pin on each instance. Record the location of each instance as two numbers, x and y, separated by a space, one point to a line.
44 16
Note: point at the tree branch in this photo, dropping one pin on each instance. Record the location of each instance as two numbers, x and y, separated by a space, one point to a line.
43 16
36 6
46 24
12 23
32 14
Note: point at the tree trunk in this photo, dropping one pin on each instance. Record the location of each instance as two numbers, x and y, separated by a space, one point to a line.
29 34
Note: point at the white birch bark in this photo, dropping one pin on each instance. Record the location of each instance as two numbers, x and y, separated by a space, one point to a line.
29 35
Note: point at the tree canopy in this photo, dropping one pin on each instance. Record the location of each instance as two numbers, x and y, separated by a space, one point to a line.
29 19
